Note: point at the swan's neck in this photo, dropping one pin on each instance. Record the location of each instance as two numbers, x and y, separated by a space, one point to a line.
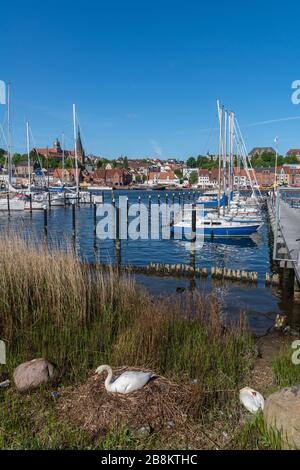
108 379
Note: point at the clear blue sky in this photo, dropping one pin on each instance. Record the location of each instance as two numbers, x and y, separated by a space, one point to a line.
145 75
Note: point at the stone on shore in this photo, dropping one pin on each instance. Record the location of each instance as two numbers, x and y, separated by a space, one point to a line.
33 373
282 413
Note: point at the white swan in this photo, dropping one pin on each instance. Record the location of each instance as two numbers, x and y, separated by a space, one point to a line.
126 383
251 399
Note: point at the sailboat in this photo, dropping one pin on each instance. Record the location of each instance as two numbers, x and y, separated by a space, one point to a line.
227 215
11 202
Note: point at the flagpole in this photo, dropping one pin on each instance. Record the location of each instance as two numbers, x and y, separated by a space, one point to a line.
276 162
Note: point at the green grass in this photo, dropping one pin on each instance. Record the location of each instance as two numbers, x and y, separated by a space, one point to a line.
255 435
78 317
285 372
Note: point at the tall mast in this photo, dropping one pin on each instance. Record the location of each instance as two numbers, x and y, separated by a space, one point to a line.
28 157
9 134
63 158
225 152
75 148
231 120
220 114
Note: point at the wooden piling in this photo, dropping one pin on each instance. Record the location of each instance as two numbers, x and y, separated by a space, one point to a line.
73 219
95 218
45 221
8 204
193 234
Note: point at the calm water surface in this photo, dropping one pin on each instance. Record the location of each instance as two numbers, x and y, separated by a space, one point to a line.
252 254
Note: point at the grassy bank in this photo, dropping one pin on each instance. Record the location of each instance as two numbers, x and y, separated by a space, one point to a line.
78 317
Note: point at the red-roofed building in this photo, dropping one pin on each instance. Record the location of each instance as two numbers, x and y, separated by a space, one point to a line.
113 177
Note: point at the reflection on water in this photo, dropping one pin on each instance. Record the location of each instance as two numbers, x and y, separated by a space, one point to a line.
250 254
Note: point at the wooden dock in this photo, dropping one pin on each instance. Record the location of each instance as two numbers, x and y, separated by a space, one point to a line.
285 222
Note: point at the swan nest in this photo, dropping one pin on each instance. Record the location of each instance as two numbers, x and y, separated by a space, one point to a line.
159 405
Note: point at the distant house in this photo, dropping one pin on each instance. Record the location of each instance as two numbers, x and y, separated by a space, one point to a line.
168 177
162 177
112 177
257 151
204 178
266 176
241 178
67 175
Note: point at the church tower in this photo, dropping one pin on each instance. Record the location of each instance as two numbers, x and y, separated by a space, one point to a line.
80 149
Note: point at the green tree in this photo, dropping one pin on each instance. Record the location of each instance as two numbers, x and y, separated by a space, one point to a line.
193 179
191 162
178 173
292 159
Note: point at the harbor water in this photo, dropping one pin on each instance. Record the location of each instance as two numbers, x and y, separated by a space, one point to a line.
260 303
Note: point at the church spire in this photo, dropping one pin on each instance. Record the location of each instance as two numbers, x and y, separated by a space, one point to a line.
80 149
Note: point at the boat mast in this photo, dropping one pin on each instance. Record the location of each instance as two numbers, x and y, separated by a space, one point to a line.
231 120
220 115
225 176
75 148
63 158
28 157
9 136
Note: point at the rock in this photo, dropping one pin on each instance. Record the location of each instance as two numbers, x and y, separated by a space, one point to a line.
32 374
5 384
282 412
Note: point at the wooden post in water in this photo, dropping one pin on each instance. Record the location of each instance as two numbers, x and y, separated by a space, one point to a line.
30 203
49 199
173 198
73 220
167 198
8 204
95 218
193 237
45 222
118 241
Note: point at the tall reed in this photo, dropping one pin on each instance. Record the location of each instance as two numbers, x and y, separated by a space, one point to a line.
53 305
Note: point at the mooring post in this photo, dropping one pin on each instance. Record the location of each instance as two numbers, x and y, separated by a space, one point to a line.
158 199
45 222
95 218
91 199
173 198
30 203
65 200
49 199
73 219
193 236
167 198
118 241
8 204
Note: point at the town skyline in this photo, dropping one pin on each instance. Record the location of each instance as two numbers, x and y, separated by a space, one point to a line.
143 89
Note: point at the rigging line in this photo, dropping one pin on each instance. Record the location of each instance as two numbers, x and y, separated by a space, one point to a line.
211 130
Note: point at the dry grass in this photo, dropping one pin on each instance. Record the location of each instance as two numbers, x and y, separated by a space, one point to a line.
77 316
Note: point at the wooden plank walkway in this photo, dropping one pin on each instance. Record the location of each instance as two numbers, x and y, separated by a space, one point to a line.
290 229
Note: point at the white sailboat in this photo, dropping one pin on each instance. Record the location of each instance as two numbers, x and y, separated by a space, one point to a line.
11 202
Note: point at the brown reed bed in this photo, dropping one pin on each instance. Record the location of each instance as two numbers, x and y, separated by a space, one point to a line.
79 316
